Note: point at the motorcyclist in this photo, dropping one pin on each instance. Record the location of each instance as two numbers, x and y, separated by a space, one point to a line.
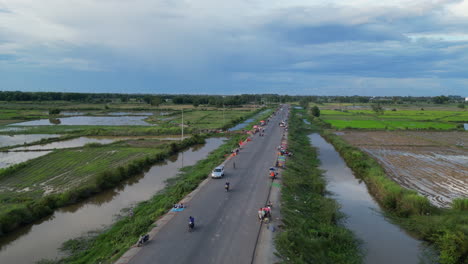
272 174
191 222
226 186
143 239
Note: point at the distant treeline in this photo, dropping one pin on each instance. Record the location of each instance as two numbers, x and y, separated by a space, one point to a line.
218 100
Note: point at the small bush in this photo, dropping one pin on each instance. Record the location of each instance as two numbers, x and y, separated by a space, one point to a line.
460 204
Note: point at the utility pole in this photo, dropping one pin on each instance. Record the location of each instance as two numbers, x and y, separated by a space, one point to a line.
223 113
182 138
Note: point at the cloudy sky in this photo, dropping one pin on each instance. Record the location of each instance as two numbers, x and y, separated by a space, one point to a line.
314 47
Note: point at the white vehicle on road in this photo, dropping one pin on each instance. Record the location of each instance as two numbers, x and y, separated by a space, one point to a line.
218 172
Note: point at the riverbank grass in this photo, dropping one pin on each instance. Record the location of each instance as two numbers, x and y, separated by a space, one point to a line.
312 232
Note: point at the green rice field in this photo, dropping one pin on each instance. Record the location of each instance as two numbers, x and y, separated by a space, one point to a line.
396 120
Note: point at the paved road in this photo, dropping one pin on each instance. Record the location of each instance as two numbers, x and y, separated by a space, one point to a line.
226 223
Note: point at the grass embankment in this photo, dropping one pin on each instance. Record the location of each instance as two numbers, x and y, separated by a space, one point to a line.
396 120
447 229
312 232
112 243
76 174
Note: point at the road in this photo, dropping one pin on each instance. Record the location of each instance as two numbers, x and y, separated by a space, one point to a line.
226 223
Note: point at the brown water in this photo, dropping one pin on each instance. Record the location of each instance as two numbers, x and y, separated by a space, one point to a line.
383 242
42 239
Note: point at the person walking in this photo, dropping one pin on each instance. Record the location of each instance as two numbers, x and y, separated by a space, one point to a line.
261 214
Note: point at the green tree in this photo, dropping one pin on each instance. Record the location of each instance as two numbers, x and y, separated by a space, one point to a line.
156 101
377 108
304 103
440 99
54 111
315 111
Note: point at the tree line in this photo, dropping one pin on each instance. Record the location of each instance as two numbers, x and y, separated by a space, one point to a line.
219 100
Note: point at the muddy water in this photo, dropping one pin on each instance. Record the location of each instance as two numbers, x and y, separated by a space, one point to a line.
383 242
72 143
42 239
21 139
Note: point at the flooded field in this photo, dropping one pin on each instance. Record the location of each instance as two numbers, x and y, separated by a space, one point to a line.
383 242
6 140
433 163
89 121
72 143
43 238
8 159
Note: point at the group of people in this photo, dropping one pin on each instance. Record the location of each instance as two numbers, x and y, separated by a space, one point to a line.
262 132
235 151
177 206
264 213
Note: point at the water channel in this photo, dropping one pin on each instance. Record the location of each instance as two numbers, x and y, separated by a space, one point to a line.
43 238
247 122
383 242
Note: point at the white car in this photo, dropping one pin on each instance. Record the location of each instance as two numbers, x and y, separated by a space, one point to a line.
218 172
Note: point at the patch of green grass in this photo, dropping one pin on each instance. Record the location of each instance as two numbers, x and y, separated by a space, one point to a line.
394 120
362 124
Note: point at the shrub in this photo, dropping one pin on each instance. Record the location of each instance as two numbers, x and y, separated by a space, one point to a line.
460 204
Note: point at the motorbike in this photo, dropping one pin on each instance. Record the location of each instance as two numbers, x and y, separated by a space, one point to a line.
272 173
226 186
191 226
143 239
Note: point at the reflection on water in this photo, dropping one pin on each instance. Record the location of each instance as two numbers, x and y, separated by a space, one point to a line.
89 121
8 159
22 139
55 121
43 239
384 242
72 143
